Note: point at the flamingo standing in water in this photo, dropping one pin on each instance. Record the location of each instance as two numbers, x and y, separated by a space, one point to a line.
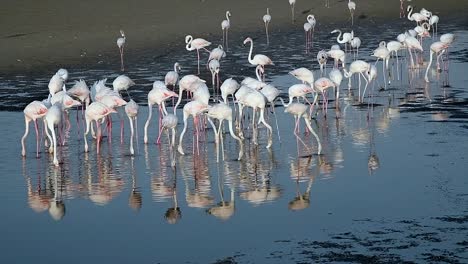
322 57
52 119
355 45
196 44
266 20
299 110
229 87
258 59
345 37
360 67
169 122
121 45
438 48
32 112
223 112
352 8
256 100
292 3
307 31
382 53
321 85
131 109
96 111
172 78
225 25
158 95
214 69
194 109
336 76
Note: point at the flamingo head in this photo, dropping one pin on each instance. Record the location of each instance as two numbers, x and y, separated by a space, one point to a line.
122 33
247 40
334 31
228 13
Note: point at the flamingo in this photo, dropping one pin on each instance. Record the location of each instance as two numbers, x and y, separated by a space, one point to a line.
255 83
32 112
307 30
448 39
271 93
223 112
412 43
434 19
158 95
131 109
360 67
52 118
438 48
186 84
382 53
303 74
217 53
67 103
321 85
63 73
56 84
225 25
337 55
322 57
214 69
299 110
169 121
81 91
371 75
121 45
345 37
258 59
394 47
256 100
197 44
172 77
96 111
352 8
300 90
192 108
122 83
417 17
266 20
292 3
355 44
336 76
229 87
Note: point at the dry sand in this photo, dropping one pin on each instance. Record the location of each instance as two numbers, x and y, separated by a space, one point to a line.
39 35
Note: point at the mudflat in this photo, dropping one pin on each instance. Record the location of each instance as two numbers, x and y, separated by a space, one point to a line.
41 35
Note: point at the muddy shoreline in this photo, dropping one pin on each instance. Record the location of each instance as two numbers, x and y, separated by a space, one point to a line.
41 38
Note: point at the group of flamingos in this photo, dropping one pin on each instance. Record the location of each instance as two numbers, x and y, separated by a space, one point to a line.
100 101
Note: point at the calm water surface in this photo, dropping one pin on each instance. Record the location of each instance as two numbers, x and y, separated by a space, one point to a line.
389 188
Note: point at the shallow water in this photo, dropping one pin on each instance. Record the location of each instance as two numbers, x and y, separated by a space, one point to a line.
389 187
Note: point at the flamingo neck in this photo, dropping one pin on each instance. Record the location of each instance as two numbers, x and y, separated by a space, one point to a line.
257 72
338 37
250 52
410 13
227 16
189 44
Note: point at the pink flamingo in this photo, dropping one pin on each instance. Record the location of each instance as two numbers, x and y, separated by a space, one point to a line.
197 44
158 95
121 45
223 112
96 111
225 25
32 112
